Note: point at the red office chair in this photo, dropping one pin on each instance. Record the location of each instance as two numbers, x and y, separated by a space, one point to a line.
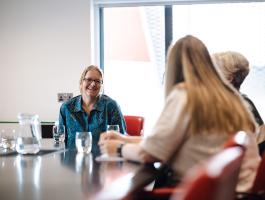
258 189
134 124
237 140
216 180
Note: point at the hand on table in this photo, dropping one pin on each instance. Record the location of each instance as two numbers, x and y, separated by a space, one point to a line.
113 135
109 146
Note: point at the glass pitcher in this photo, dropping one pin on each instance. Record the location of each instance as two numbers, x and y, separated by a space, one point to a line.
29 134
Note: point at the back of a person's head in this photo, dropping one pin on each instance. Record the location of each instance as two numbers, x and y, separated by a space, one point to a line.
233 65
212 104
189 58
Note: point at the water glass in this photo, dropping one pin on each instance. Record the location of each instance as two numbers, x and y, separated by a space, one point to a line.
114 127
58 132
83 142
8 140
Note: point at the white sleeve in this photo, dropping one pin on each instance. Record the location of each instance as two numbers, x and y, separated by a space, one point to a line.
167 132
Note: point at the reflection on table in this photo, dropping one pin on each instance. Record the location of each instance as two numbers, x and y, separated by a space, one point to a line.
57 173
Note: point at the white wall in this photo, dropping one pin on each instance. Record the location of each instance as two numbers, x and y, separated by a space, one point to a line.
44 46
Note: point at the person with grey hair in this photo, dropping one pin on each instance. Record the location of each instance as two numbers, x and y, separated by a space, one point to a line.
235 68
91 111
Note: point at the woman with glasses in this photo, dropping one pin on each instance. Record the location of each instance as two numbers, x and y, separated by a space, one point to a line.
200 114
91 111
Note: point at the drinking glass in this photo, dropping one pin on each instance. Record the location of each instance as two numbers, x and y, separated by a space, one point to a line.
114 127
58 132
83 142
8 139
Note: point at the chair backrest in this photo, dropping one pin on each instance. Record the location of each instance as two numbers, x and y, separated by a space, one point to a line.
259 182
134 124
215 180
239 139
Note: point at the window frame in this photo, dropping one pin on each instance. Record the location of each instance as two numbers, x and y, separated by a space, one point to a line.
97 22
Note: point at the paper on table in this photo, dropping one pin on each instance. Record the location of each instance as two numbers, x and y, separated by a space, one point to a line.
106 158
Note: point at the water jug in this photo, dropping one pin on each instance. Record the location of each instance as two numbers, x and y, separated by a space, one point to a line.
29 134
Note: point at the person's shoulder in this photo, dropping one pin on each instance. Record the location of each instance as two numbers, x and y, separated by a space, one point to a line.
71 102
245 96
177 95
179 89
181 86
107 99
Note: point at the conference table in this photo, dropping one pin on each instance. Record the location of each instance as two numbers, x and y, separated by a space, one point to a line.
59 173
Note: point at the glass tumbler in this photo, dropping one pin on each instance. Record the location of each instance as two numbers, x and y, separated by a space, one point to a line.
114 127
83 142
8 139
58 132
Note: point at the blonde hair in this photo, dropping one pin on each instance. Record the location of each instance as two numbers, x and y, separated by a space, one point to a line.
233 65
90 68
212 105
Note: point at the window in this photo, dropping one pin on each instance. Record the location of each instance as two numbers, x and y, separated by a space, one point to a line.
134 38
233 27
134 57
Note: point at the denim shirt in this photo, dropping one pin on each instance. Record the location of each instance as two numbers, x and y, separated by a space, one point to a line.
105 112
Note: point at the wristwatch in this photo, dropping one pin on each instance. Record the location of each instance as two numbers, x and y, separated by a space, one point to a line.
119 150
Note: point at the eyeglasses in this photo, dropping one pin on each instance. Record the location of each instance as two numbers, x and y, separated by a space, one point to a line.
90 80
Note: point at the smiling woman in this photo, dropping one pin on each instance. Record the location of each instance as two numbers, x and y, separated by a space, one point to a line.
90 86
91 111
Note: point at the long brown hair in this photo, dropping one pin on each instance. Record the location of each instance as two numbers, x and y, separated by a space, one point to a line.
212 105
